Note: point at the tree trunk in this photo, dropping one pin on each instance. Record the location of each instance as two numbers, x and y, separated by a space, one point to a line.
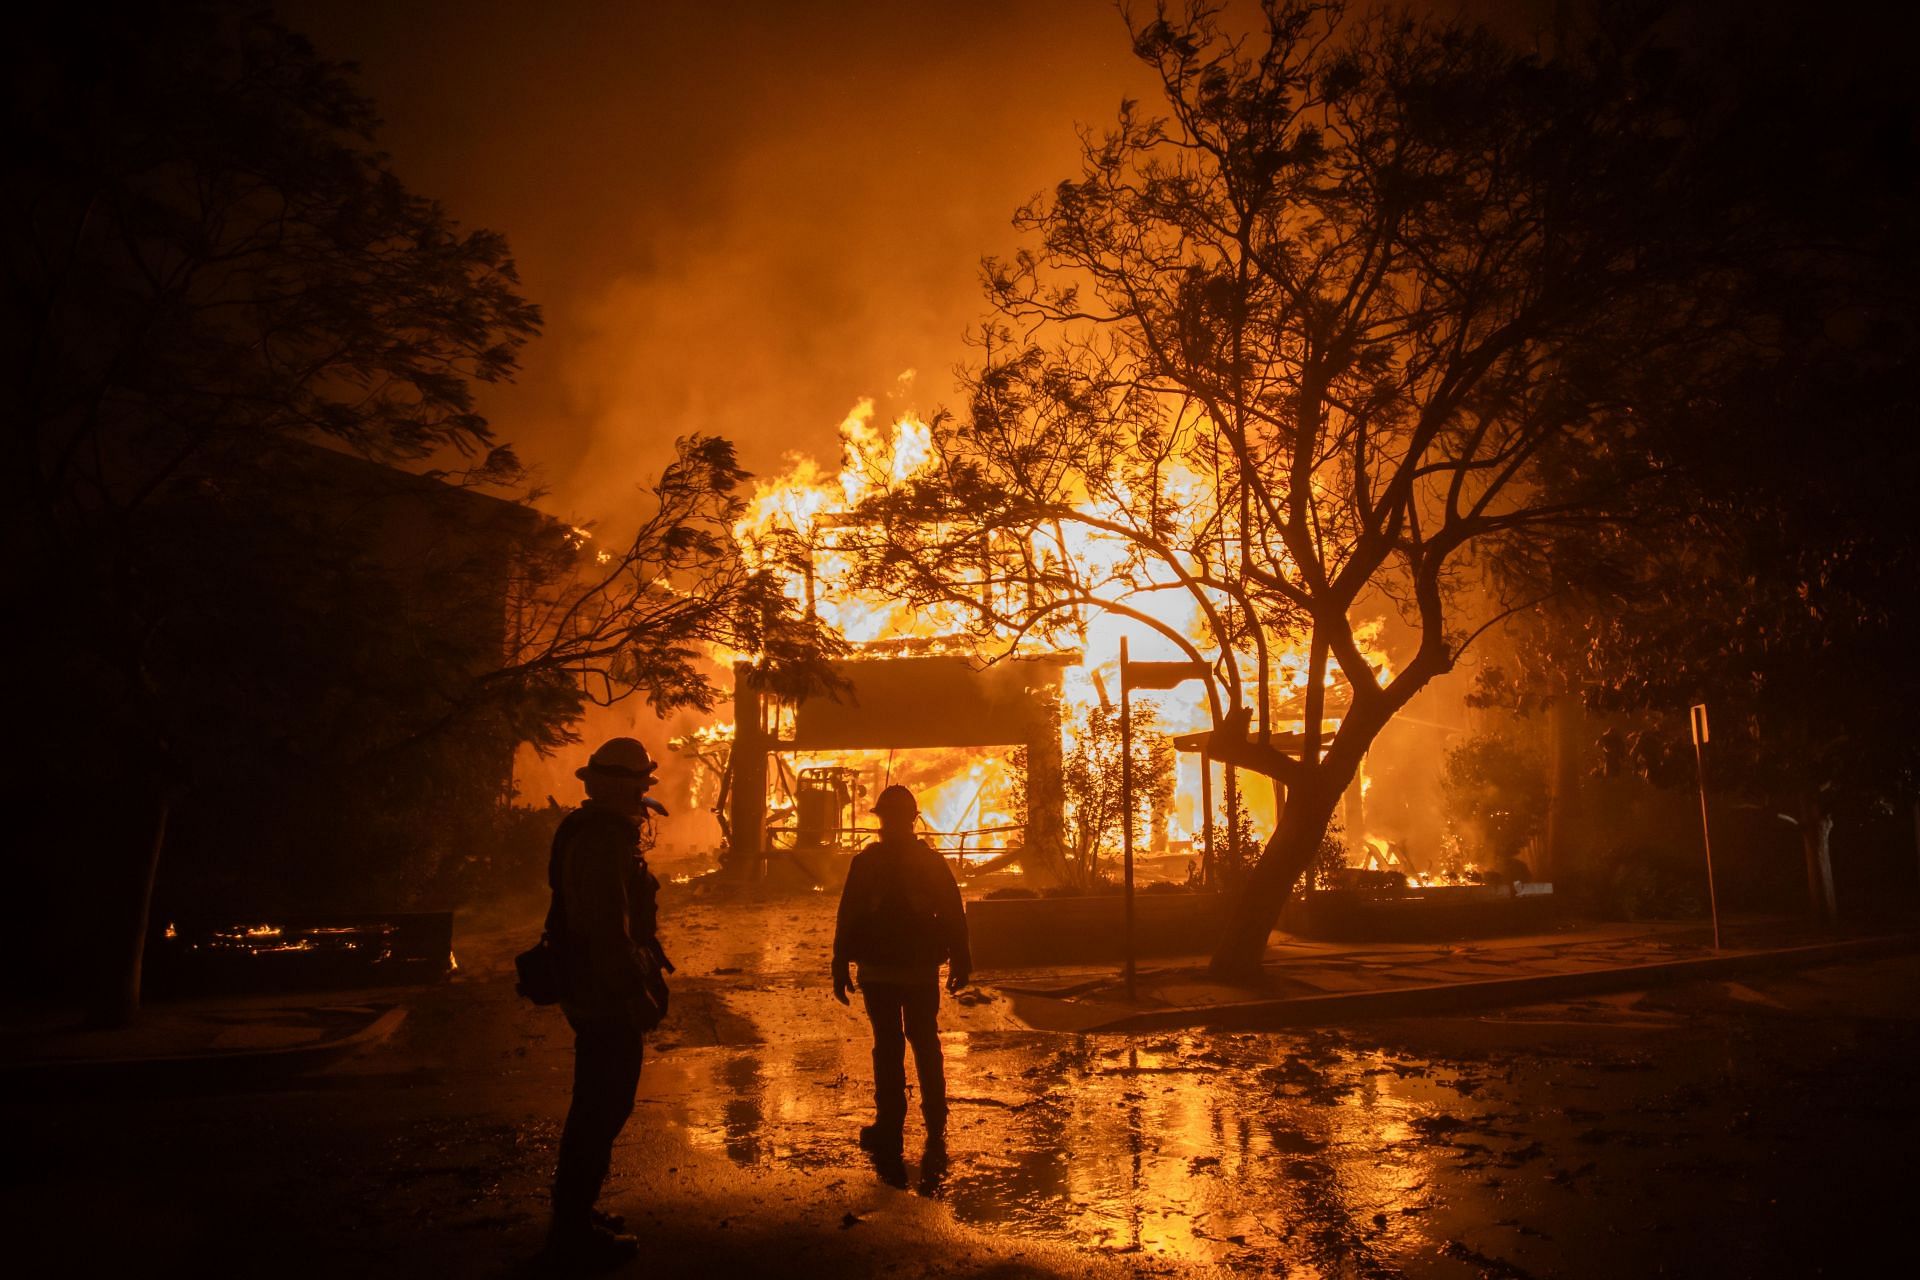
1563 788
1255 910
1354 810
117 999
1816 830
1039 868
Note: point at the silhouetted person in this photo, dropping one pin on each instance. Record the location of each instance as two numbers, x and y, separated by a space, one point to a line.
603 921
900 920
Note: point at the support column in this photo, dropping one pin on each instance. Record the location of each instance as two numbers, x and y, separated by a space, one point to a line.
1354 806
1208 875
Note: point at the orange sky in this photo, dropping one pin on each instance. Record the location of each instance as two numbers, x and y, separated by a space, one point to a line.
739 216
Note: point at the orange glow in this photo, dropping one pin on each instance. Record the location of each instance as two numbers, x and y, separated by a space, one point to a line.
797 524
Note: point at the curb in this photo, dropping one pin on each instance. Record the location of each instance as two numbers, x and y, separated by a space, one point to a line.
1399 1002
244 1066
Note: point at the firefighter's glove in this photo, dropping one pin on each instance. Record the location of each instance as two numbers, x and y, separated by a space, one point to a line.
956 978
842 981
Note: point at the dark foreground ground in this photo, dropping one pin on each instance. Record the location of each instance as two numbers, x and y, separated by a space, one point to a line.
1715 1129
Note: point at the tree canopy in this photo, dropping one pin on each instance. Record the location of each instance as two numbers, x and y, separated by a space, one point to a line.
1300 345
214 283
1762 568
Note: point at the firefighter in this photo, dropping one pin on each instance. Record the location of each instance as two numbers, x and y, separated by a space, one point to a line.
603 922
900 920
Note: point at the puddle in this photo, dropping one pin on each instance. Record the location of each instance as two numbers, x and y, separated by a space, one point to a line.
1189 1149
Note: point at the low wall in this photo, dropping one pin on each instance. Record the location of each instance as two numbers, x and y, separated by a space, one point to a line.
1009 932
1419 915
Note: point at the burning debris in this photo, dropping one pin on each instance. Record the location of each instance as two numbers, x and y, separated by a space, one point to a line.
314 953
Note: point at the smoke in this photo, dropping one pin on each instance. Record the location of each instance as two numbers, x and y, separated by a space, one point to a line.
739 218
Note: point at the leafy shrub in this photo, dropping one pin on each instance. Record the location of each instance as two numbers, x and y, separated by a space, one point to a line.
1649 882
1495 797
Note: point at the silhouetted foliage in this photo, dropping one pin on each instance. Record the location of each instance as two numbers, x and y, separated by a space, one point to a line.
215 286
1329 865
1307 345
1090 780
1096 805
1769 569
1495 794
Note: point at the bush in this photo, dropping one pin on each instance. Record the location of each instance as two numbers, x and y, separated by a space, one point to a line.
1650 882
1329 867
1495 797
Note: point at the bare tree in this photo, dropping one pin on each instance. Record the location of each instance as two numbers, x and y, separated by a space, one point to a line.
1295 353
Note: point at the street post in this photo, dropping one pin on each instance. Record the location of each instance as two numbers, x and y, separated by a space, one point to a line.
1697 721
1139 675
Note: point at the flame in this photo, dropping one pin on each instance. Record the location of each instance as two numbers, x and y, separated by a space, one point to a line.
968 800
794 524
788 511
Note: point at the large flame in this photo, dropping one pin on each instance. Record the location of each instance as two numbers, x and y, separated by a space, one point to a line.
796 522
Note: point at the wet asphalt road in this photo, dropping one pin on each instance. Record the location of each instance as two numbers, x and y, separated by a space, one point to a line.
1713 1129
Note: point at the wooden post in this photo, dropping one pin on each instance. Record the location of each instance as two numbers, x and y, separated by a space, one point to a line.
1354 806
1564 720
1233 817
1045 836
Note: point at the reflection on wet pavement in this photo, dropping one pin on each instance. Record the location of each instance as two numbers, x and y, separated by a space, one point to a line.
1324 1152
1186 1148
1757 1128
1512 1144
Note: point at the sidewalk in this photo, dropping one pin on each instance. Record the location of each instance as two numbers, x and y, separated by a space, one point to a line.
201 1041
1309 982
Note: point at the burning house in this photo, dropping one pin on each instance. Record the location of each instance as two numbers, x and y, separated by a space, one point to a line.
986 730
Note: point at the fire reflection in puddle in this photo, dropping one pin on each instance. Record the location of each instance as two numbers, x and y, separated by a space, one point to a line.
1189 1148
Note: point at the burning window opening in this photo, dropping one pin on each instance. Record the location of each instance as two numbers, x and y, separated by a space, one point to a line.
969 802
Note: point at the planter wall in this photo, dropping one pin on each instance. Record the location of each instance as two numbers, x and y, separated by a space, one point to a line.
1008 932
1419 915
